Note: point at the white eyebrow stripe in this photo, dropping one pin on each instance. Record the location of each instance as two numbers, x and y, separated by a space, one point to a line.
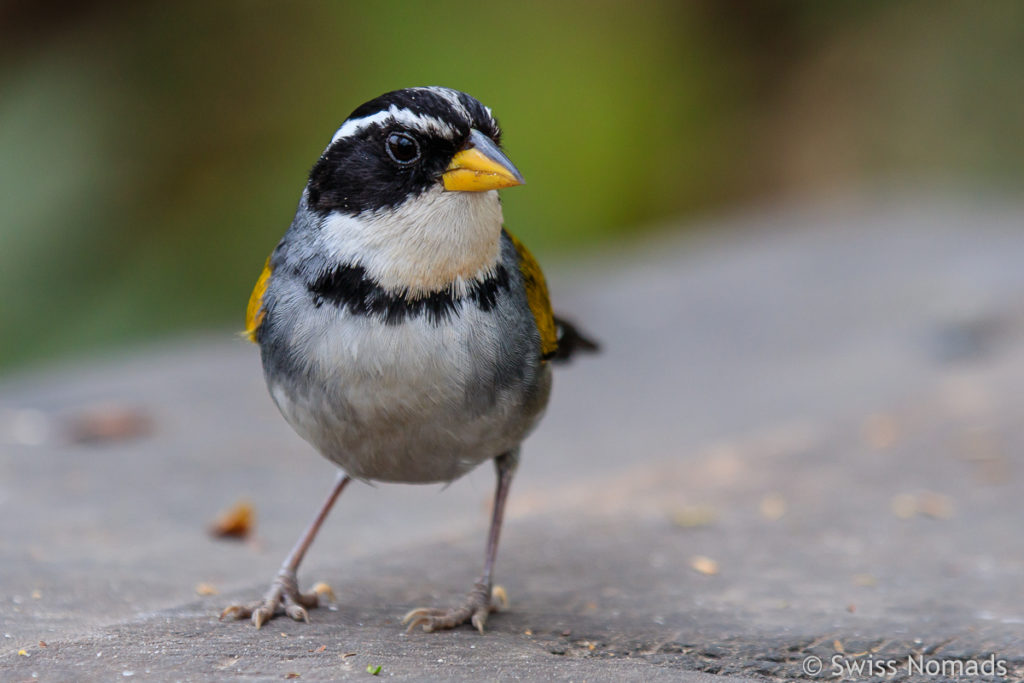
408 118
353 126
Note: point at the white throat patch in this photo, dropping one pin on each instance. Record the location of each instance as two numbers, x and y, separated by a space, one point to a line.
435 240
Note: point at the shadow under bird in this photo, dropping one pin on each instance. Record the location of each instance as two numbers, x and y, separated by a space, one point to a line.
404 332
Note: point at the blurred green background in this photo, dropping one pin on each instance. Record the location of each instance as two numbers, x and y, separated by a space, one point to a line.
151 154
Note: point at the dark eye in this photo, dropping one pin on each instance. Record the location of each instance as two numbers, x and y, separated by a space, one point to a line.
403 148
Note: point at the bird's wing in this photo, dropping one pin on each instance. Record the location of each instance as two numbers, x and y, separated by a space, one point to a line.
254 312
537 298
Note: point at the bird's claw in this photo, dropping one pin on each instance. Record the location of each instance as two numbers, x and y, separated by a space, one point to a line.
477 607
283 596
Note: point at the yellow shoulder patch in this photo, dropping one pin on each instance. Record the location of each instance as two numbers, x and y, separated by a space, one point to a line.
537 298
254 311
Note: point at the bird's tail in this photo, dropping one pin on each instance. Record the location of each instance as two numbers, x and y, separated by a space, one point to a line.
571 341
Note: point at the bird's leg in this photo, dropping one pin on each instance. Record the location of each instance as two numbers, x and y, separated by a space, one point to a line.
478 604
284 591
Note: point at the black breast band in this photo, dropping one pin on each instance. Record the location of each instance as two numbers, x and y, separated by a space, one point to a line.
349 287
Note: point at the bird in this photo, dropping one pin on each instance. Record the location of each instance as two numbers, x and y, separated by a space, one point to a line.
403 331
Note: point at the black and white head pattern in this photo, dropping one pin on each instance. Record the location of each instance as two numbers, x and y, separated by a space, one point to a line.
394 148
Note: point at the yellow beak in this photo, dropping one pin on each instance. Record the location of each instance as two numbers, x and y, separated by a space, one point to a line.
480 166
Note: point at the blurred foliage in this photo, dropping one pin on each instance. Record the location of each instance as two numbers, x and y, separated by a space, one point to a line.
151 154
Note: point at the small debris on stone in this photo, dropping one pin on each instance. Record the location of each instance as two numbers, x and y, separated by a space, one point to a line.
204 588
325 591
109 422
236 522
903 505
880 431
694 516
925 503
704 565
773 507
935 505
373 670
865 580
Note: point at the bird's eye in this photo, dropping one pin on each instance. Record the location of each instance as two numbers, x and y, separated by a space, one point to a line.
403 148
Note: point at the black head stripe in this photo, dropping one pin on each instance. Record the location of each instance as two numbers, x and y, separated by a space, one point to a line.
355 174
483 121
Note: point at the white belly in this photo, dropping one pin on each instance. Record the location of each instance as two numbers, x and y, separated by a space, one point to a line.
413 402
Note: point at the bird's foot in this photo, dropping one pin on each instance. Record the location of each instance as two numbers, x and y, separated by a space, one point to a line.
283 596
475 609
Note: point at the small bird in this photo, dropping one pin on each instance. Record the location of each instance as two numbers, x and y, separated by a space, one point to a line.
404 333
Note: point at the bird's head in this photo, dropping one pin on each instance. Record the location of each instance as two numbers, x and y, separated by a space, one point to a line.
405 189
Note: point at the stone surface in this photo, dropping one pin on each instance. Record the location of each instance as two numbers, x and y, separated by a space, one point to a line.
803 439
